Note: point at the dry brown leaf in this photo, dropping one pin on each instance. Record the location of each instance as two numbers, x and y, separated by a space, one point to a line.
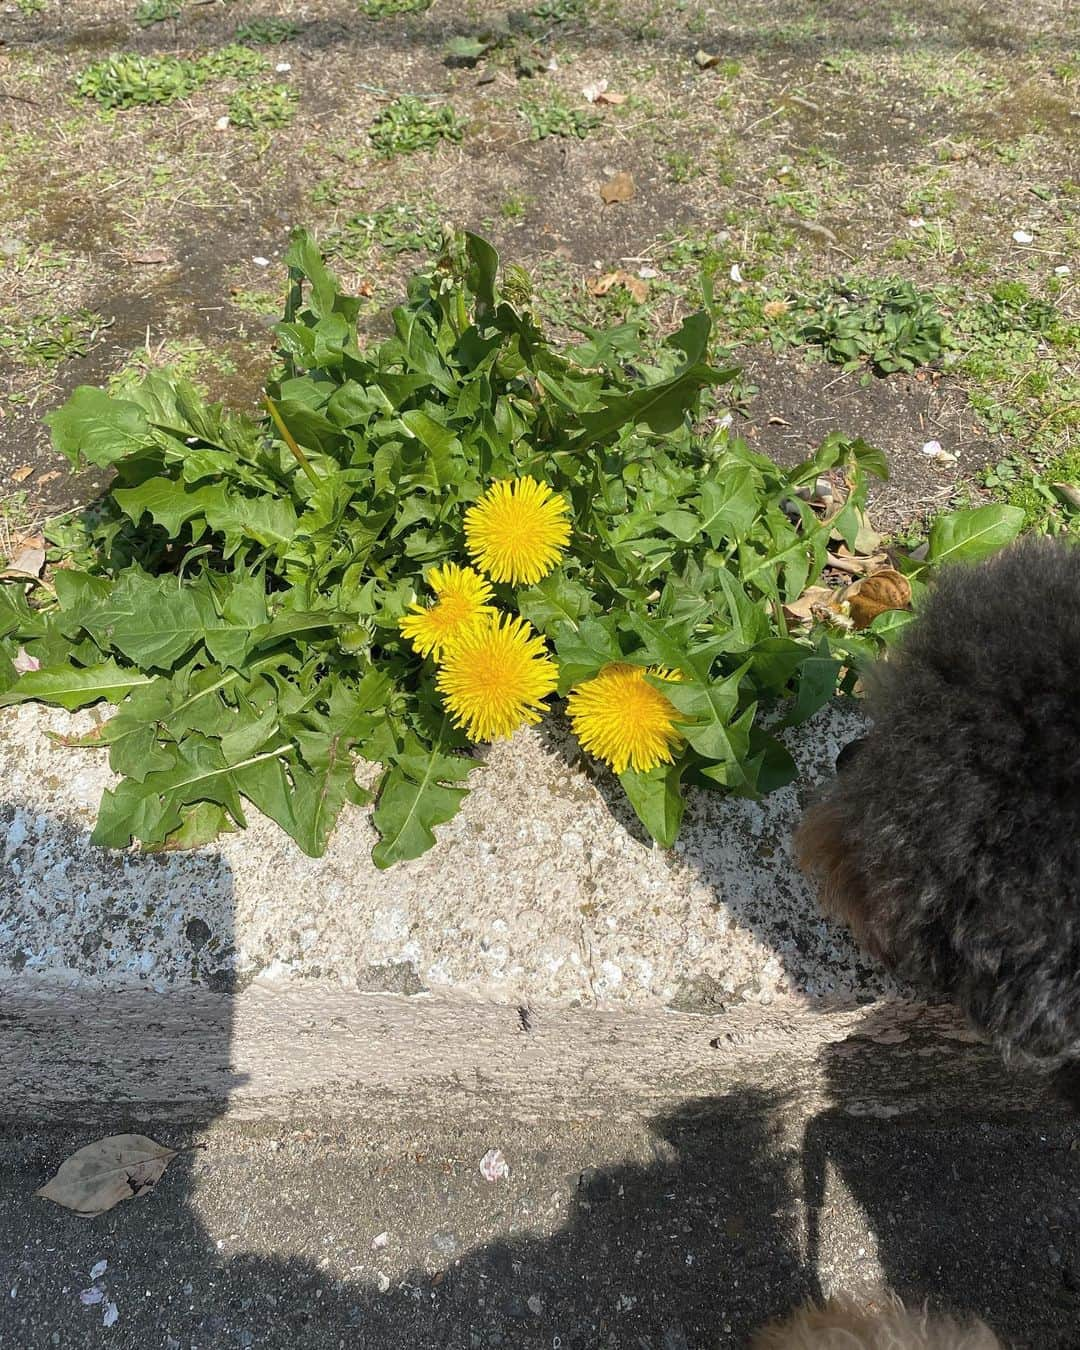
857 565
812 599
638 288
102 1174
22 473
705 60
873 595
773 309
618 188
609 96
150 257
28 558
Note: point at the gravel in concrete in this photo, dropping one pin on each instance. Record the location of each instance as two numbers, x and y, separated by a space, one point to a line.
543 887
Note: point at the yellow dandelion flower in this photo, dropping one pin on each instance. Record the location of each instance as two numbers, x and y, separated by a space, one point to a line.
619 717
461 597
517 531
495 676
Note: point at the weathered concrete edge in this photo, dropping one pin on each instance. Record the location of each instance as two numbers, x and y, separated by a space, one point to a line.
317 1052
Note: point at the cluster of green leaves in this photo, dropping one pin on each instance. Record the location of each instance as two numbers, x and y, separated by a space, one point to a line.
397 228
128 80
385 9
238 591
410 124
150 12
269 31
887 325
554 116
262 106
53 337
517 36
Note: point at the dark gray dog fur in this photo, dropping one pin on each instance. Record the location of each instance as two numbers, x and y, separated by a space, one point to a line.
950 841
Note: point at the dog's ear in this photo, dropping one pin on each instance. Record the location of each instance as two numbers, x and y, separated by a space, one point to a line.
849 752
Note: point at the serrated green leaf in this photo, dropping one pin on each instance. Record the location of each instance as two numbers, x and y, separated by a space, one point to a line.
75 686
94 425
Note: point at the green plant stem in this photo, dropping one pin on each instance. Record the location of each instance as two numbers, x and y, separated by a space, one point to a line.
286 436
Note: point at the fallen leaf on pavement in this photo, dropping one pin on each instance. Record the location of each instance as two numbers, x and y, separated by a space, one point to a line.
619 188
102 1174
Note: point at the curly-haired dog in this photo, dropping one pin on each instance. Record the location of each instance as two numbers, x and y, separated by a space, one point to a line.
950 838
843 1324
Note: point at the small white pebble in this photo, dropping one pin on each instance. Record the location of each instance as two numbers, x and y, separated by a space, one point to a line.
261 262
98 1270
383 1281
1062 271
647 273
379 1240
916 222
222 124
282 67
1023 237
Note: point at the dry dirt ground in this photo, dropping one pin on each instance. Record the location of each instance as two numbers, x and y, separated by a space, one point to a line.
831 144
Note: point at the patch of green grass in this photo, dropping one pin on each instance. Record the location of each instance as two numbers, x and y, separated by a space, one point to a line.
383 9
268 32
150 12
555 117
184 358
50 338
513 206
410 124
1049 496
28 8
263 106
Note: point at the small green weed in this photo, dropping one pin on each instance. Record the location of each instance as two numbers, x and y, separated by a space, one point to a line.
410 124
267 32
234 62
513 207
886 325
127 80
384 9
156 11
28 8
263 106
397 228
49 338
556 117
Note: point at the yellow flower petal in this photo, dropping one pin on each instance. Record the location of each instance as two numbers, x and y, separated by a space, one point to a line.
495 676
518 530
619 717
461 597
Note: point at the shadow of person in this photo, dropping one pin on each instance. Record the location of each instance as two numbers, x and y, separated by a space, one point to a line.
969 1205
672 1236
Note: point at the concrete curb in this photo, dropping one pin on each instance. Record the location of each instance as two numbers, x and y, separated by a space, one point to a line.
282 1053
